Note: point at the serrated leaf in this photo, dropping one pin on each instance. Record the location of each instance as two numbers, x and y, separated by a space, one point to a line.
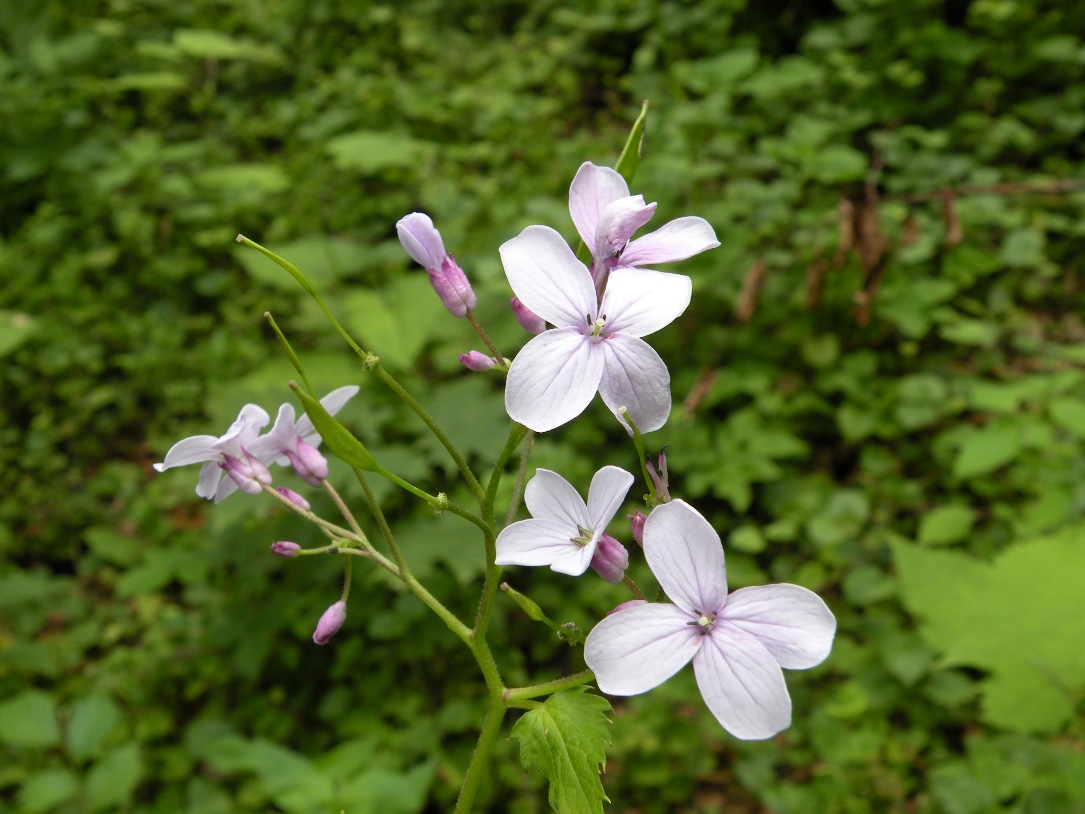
566 739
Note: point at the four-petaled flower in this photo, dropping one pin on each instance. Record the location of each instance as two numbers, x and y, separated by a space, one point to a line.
229 453
294 443
563 532
595 346
606 216
737 642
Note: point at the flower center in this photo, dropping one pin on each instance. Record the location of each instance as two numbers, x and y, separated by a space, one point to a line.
583 539
705 621
594 330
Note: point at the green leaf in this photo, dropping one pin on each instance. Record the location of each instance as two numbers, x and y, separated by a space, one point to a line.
92 721
30 720
112 780
15 328
46 790
370 152
946 524
566 739
337 438
987 449
1019 616
208 44
629 160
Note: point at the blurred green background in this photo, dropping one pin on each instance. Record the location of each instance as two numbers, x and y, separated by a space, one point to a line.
879 388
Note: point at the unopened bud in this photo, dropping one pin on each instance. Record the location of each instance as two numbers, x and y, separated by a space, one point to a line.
636 523
330 622
477 361
308 463
453 287
247 472
528 319
610 559
284 548
421 240
659 476
294 497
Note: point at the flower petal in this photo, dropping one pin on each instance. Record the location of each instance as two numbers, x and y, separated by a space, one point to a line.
421 240
676 240
686 556
547 278
552 379
592 189
617 223
549 495
333 403
635 377
639 647
608 489
794 624
210 480
538 541
638 302
742 684
192 450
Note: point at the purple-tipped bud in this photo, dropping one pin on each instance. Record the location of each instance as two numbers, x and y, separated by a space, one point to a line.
610 559
247 472
308 463
660 478
330 622
625 605
285 548
294 497
421 240
636 523
453 287
528 319
477 361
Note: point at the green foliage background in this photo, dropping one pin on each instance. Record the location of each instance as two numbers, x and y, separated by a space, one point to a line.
878 389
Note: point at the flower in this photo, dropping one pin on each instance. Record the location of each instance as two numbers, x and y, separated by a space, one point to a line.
423 243
228 453
563 532
595 345
330 621
285 548
737 642
477 361
294 443
606 216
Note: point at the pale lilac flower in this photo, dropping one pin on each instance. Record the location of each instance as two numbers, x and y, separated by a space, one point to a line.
295 443
563 531
529 321
477 361
285 548
595 346
610 560
228 453
737 642
423 243
330 622
606 216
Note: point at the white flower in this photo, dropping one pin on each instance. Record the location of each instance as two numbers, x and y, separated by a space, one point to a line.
737 642
227 453
596 346
563 532
606 216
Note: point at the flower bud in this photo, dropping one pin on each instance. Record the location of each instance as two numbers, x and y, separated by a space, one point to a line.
610 559
528 319
330 622
284 548
247 472
477 361
636 523
308 463
294 497
453 287
421 240
660 478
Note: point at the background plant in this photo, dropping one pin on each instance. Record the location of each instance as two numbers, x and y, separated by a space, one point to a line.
886 382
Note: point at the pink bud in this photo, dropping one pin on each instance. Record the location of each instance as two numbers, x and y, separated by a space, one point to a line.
308 463
330 622
421 240
625 605
284 548
660 478
477 361
610 559
452 287
636 523
247 472
294 497
529 320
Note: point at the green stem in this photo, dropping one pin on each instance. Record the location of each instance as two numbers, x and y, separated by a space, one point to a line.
632 586
521 476
337 531
477 769
485 337
518 694
439 502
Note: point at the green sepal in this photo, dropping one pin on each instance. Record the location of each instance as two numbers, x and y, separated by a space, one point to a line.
336 437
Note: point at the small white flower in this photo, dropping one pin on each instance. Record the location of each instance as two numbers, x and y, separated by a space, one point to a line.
563 531
595 346
737 642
